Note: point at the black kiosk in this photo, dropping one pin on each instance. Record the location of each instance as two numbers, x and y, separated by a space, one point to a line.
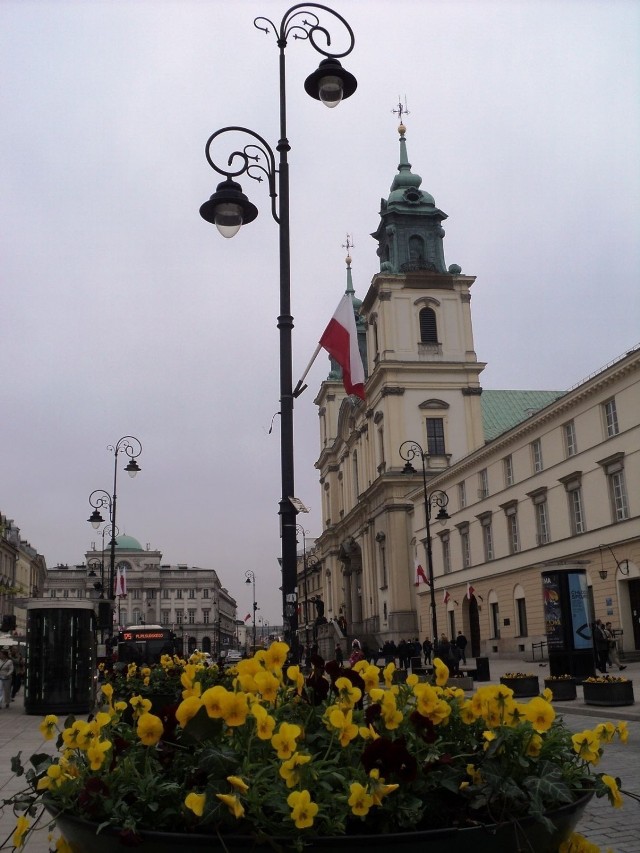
61 657
565 599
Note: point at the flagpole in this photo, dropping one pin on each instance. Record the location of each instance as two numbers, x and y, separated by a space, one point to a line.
300 387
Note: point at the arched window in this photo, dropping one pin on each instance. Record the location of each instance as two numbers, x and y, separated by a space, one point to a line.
428 326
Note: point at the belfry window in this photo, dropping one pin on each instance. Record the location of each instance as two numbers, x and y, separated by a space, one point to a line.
428 326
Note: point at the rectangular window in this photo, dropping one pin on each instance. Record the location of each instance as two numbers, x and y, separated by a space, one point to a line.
446 553
483 484
487 538
576 514
495 621
164 617
136 594
205 593
508 470
536 456
178 593
462 494
137 617
618 492
611 418
179 615
151 594
383 562
570 446
165 593
465 544
191 616
542 522
192 593
435 437
521 604
205 616
513 534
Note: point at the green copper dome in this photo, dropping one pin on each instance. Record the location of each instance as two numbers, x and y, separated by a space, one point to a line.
128 543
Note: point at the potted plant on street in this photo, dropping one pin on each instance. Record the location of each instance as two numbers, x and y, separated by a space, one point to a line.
608 690
523 684
338 760
563 687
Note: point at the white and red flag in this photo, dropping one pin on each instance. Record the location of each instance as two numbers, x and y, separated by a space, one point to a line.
446 597
121 582
247 617
340 339
470 591
420 576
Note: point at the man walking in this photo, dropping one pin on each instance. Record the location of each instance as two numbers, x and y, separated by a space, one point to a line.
601 642
461 643
6 673
613 647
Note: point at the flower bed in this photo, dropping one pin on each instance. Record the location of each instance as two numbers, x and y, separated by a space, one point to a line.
523 685
270 754
609 691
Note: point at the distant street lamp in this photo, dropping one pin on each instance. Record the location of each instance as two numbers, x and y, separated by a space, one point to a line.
100 499
229 208
408 451
251 578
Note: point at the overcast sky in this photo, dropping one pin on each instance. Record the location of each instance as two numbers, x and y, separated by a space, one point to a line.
123 312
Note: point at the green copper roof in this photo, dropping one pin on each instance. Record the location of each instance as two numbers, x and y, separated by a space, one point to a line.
128 543
502 410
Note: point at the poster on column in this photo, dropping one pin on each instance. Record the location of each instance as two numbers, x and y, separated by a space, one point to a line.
580 628
552 611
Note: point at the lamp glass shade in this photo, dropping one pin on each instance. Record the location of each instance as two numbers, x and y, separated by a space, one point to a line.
330 91
228 218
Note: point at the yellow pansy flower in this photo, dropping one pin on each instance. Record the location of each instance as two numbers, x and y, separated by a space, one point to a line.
22 826
289 769
284 741
47 726
342 721
235 708
441 672
303 809
614 792
360 800
233 803
587 745
540 714
265 723
149 729
195 803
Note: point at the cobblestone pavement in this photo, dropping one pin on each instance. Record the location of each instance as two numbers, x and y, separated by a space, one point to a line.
617 830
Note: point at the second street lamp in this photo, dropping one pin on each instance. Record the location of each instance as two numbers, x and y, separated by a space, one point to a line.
251 578
100 499
229 208
410 450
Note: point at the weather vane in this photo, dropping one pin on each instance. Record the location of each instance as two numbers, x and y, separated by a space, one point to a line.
349 244
403 109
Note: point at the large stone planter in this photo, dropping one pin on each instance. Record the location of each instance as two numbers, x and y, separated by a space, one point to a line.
465 682
497 838
563 689
522 687
608 693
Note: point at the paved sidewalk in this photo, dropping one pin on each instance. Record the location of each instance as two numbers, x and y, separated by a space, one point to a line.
612 829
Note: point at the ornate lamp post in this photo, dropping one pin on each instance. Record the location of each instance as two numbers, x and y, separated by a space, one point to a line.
408 451
228 208
251 578
100 499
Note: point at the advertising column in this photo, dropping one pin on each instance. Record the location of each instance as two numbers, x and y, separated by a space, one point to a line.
567 624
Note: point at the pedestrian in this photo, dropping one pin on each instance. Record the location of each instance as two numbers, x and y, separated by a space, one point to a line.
18 672
6 673
403 654
339 656
427 648
601 643
461 643
356 653
613 657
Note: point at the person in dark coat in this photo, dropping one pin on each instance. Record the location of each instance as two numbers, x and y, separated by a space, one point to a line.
601 643
339 656
461 643
427 649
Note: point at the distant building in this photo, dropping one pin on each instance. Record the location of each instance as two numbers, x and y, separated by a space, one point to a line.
22 575
190 600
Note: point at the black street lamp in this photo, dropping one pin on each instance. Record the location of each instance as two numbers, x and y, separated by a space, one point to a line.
251 578
229 208
408 451
100 499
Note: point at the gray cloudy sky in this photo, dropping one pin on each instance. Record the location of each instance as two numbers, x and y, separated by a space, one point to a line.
123 312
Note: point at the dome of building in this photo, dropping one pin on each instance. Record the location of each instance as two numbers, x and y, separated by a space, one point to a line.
128 543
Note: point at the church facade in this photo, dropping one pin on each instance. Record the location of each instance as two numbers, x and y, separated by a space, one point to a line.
423 392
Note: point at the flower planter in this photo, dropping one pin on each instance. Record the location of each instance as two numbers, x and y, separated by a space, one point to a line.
563 689
497 838
608 693
522 687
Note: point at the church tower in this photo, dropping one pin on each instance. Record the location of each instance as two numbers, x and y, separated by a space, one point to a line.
422 385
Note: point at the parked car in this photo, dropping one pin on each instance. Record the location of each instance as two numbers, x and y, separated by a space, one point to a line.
232 657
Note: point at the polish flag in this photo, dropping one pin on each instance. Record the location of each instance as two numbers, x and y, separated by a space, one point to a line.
446 597
340 339
121 582
470 591
420 576
247 617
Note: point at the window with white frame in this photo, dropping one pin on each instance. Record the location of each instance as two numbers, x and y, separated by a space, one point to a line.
435 437
179 617
446 552
462 494
573 487
513 533
164 617
521 611
191 616
536 455
507 464
611 417
205 617
165 593
487 535
570 444
192 593
136 594
541 515
137 616
465 544
205 593
483 484
614 470
178 593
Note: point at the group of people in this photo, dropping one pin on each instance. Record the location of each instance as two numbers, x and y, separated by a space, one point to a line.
606 648
11 675
407 651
